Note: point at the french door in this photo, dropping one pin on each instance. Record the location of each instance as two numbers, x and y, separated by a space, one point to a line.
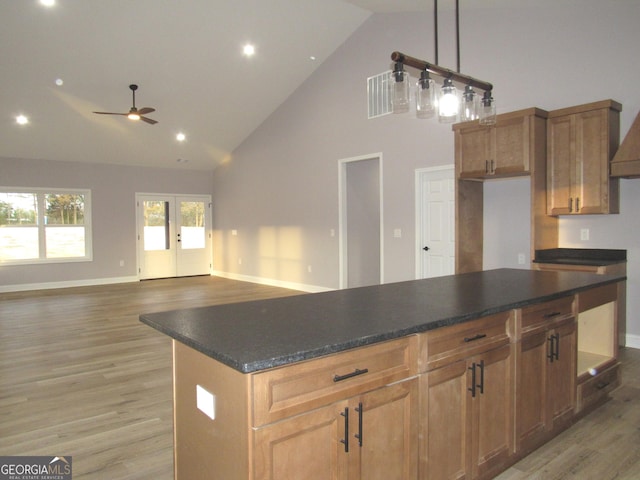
174 235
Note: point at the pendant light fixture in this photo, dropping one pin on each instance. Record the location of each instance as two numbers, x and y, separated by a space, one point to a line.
451 106
426 102
400 97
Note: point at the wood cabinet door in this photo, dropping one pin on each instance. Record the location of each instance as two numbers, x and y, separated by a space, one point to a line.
591 188
510 152
305 446
384 433
562 374
474 151
560 154
444 423
531 391
492 413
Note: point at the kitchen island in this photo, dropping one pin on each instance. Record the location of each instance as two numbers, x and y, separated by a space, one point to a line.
458 375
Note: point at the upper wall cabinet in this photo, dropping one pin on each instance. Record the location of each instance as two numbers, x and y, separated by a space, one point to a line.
503 150
581 141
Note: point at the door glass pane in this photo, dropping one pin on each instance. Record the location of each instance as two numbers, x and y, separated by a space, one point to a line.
156 225
18 226
192 231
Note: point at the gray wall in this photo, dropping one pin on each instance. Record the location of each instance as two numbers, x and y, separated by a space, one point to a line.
280 188
113 190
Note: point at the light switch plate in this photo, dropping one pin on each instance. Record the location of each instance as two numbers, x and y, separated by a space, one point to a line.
206 402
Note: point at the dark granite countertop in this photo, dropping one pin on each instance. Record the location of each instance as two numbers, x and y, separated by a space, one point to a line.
581 256
257 335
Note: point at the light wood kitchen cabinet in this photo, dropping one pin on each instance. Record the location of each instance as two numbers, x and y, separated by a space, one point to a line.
467 402
497 151
581 142
598 366
371 436
546 372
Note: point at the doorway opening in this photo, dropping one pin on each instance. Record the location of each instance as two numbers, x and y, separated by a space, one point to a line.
174 235
361 221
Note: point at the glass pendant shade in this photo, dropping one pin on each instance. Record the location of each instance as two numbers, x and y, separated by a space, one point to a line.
400 90
425 97
448 103
487 110
469 109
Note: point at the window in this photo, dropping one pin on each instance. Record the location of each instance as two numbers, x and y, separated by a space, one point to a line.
44 226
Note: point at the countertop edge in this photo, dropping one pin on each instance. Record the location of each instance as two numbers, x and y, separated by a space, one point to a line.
256 366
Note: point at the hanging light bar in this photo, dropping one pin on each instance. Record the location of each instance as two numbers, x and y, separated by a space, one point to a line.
440 71
448 103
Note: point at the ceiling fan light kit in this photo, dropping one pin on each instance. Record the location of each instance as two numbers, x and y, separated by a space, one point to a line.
135 114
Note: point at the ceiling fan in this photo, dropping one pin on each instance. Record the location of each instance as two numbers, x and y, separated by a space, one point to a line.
134 113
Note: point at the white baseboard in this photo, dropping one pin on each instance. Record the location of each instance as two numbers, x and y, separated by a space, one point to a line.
74 283
273 283
632 341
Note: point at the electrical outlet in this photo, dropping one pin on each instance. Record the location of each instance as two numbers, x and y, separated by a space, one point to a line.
584 234
309 268
521 259
206 402
397 233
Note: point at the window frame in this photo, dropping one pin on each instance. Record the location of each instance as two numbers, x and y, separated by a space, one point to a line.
42 226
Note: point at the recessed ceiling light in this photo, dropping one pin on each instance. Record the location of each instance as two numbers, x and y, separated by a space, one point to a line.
22 120
48 3
249 50
59 82
181 137
312 58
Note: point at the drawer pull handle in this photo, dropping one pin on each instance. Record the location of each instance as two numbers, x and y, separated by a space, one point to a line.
552 314
477 337
355 373
602 385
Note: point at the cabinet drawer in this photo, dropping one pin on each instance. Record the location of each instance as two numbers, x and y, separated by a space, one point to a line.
442 346
594 390
289 390
542 314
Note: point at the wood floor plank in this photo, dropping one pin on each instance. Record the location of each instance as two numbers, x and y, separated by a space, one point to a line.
81 376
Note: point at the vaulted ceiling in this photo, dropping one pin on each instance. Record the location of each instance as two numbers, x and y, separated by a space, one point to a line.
59 64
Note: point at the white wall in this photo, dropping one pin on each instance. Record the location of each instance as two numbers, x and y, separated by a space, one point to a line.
280 188
113 189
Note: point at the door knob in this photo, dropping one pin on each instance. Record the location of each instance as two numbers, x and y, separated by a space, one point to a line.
426 249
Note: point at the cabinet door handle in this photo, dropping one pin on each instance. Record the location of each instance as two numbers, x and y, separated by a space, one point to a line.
355 373
473 380
551 314
551 354
486 166
481 384
493 167
557 342
474 338
577 204
602 385
359 434
345 440
570 204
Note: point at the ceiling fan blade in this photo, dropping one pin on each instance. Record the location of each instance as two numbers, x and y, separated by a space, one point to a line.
110 113
148 120
145 110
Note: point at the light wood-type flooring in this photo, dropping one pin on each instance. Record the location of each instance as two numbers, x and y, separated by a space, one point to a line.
81 376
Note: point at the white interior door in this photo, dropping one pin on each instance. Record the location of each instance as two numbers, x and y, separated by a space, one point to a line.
435 222
174 238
